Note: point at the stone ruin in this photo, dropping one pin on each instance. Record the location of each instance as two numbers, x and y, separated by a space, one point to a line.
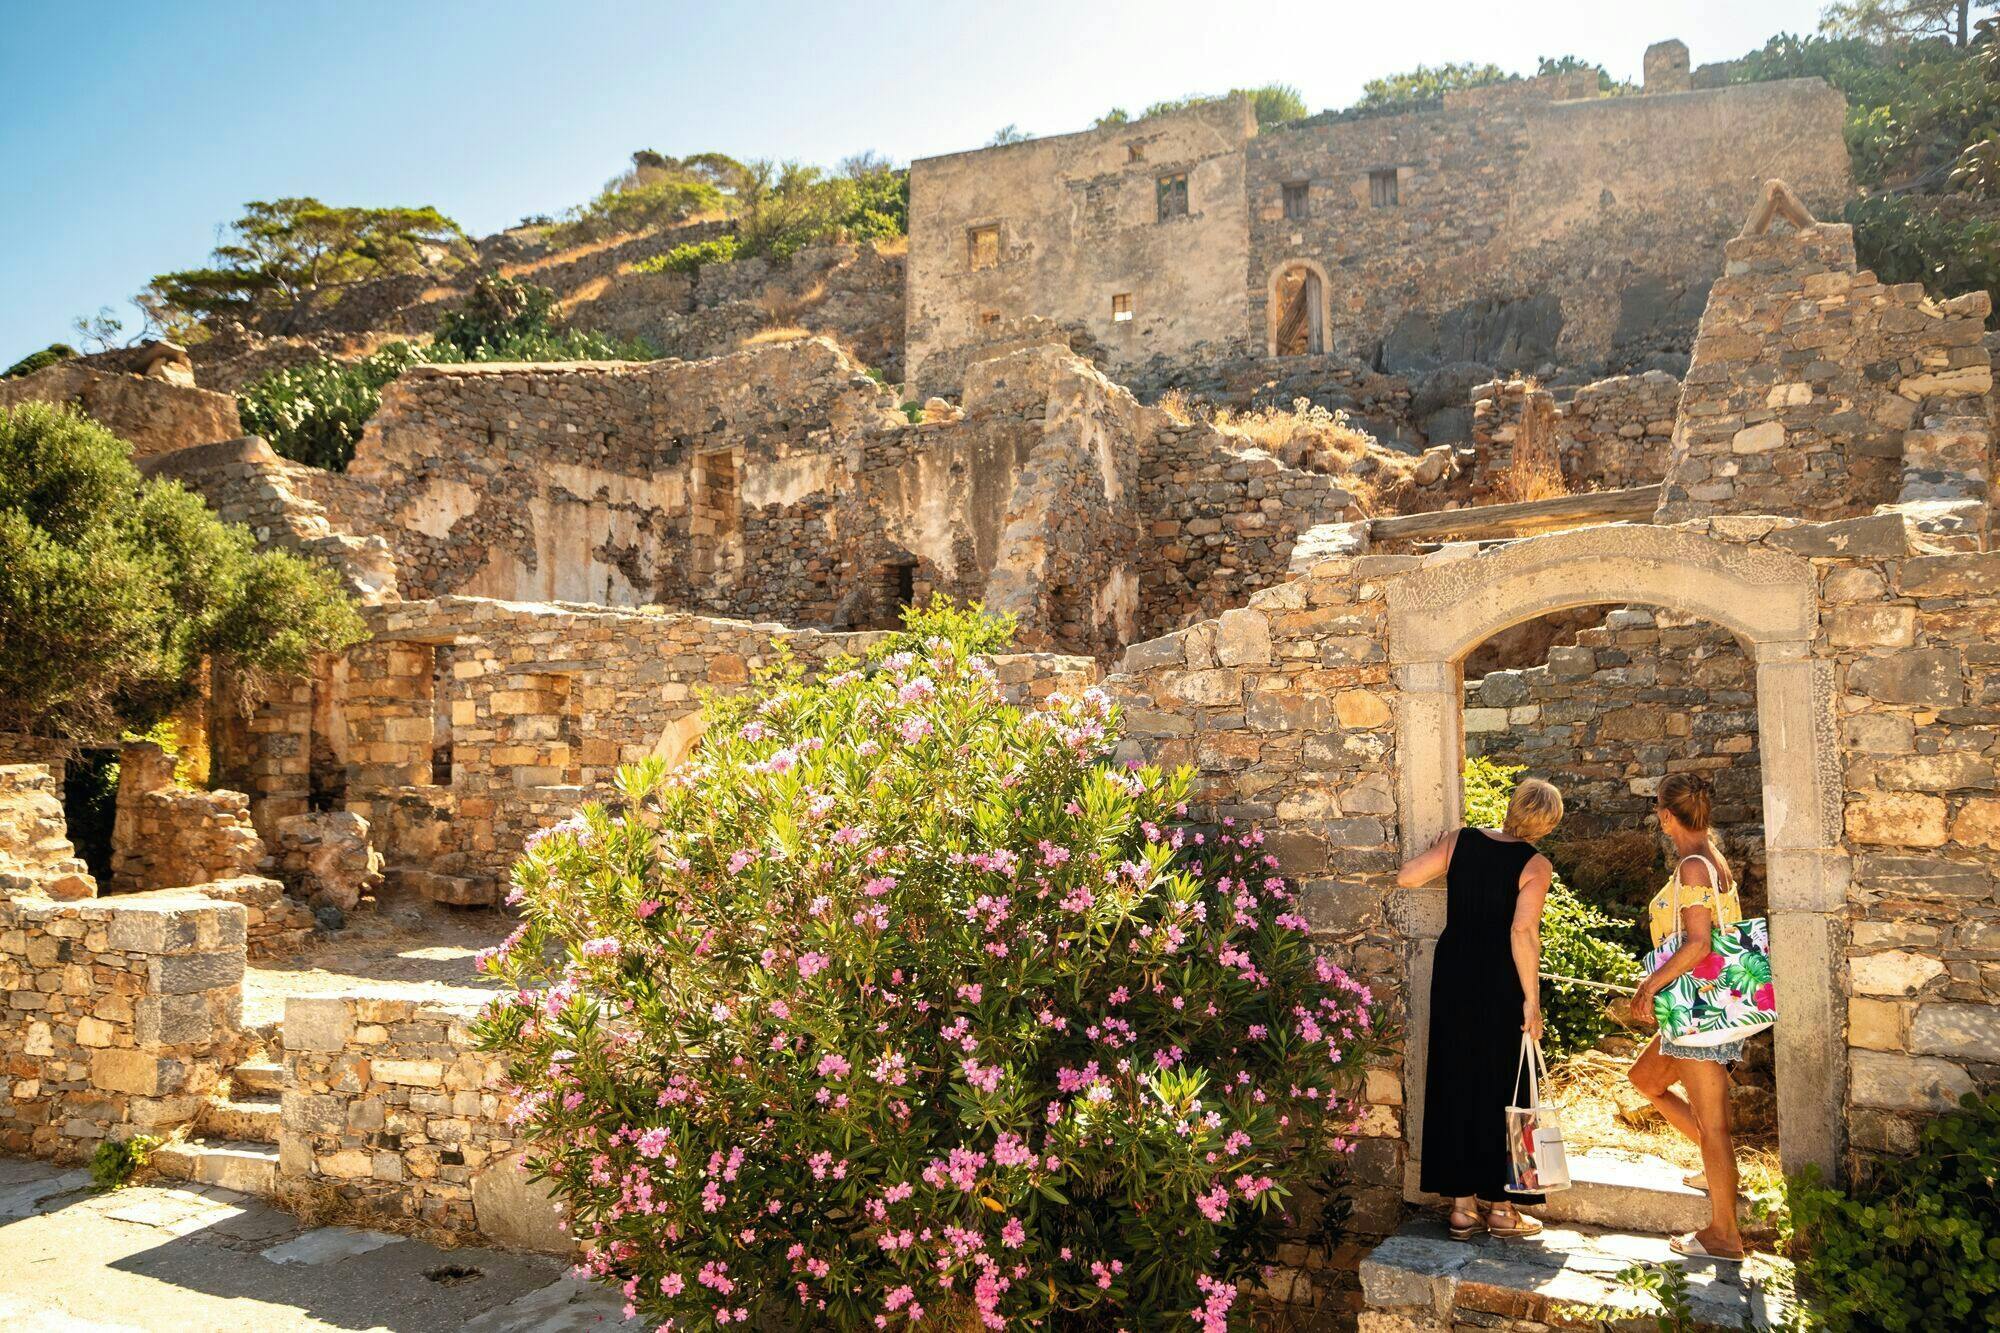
1776 568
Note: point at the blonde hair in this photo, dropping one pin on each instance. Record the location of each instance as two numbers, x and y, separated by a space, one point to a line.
1536 808
1690 798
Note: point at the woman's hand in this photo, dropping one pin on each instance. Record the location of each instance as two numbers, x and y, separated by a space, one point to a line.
1531 1018
1639 1009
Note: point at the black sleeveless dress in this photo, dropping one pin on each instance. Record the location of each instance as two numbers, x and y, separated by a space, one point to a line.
1475 1029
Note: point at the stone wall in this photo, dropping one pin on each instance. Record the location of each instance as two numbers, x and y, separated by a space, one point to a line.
120 1016
387 1103
1528 230
1808 374
1610 434
1878 711
36 856
167 836
1646 694
1078 220
155 416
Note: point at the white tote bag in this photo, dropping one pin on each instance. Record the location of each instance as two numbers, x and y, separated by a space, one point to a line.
1536 1162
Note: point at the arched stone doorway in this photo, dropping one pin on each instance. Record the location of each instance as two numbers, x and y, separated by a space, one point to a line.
1297 304
1768 599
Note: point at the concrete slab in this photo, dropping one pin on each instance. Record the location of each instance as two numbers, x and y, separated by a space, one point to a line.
567 1306
329 1245
37 1191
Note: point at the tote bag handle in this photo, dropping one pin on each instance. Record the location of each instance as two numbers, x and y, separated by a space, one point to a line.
1531 1060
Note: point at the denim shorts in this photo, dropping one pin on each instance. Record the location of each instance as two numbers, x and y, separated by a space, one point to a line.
1726 1054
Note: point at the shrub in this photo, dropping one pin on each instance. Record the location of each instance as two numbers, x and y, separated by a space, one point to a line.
1917 1247
508 320
901 1004
1577 939
690 256
115 1160
113 589
35 361
314 413
1906 240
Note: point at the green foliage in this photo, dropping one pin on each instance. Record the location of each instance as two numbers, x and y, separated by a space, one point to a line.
784 207
1895 21
662 203
690 256
1913 240
1427 84
1911 108
113 590
285 254
116 1160
508 320
35 361
1917 1247
913 411
1008 133
1273 103
912 1006
1578 940
314 413
90 806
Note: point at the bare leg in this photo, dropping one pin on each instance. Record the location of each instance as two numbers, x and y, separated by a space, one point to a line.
1707 1085
1654 1075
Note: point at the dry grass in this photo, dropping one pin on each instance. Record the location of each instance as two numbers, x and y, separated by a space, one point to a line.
318 1204
1178 406
1591 1089
782 334
780 306
589 291
892 245
570 255
1315 440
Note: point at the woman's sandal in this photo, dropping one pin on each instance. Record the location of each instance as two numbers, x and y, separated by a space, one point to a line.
1478 1227
1522 1225
1696 1180
1690 1247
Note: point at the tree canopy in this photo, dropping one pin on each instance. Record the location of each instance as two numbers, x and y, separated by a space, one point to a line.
113 589
284 254
1902 20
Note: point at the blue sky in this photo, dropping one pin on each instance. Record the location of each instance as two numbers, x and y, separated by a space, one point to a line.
128 132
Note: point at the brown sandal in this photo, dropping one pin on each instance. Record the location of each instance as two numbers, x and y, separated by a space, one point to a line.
1521 1227
1478 1227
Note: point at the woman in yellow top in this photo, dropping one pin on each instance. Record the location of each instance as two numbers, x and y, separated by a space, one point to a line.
1704 892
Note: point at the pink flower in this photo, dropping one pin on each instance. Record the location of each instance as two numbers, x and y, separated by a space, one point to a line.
740 860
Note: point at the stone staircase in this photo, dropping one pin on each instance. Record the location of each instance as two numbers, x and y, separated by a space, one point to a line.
235 1139
1615 1217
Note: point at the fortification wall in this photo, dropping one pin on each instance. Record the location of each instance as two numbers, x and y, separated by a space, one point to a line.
1527 230
155 416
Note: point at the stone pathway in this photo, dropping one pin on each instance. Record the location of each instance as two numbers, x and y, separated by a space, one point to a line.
207 1260
1420 1278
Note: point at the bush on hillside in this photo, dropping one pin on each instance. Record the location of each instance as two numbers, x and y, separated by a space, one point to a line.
690 257
898 1005
505 319
113 590
1917 1246
35 361
1578 940
315 413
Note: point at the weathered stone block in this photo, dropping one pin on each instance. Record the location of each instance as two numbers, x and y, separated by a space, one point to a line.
1906 1082
1961 1031
315 1023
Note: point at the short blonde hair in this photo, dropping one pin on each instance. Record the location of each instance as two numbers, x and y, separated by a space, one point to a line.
1537 807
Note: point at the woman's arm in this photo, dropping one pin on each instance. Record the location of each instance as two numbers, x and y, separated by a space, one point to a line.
1525 939
1426 866
1697 923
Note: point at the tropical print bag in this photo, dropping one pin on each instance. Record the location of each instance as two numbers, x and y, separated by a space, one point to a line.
1536 1161
1725 997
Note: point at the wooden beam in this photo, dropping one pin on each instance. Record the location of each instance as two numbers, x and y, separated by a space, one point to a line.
1635 505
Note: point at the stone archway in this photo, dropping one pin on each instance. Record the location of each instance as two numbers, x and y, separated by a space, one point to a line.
1295 304
1768 599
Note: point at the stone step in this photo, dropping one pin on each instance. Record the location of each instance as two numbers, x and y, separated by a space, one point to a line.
451 890
248 1168
1421 1279
258 1076
1645 1195
249 1118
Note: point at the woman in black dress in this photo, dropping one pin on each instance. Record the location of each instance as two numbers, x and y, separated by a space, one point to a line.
1484 994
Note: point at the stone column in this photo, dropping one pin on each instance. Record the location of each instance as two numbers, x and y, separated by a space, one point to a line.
1430 763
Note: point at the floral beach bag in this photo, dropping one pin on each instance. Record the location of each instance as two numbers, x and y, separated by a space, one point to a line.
1536 1161
1725 997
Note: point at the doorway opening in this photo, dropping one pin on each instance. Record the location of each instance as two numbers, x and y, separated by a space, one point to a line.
1298 311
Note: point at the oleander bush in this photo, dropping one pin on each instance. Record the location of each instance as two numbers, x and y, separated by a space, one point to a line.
1578 940
900 1006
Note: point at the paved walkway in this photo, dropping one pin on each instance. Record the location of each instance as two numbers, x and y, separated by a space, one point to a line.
197 1259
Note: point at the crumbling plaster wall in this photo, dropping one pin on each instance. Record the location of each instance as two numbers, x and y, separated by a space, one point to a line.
1079 223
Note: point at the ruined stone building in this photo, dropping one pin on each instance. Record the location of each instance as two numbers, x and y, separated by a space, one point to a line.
1778 569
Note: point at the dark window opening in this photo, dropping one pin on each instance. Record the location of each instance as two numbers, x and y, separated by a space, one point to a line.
1172 194
1383 190
1296 197
987 318
441 678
